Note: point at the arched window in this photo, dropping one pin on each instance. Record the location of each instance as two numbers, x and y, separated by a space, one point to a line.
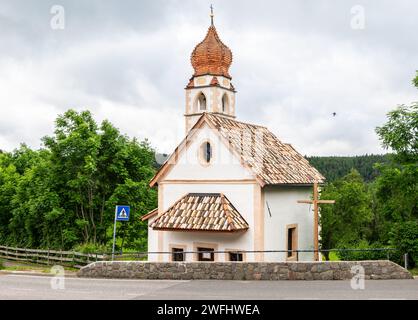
201 102
225 103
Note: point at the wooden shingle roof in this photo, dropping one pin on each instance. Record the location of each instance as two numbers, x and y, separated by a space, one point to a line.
273 161
201 212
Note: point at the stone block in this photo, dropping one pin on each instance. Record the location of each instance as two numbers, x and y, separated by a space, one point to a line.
256 276
291 275
301 267
327 275
307 276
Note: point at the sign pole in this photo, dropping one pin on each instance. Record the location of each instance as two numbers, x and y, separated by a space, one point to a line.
114 235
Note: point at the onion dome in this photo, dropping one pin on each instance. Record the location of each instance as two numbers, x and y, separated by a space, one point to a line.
211 56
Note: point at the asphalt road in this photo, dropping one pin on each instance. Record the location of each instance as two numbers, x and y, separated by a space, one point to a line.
39 287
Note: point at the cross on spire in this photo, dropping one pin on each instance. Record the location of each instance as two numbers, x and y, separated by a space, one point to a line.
211 14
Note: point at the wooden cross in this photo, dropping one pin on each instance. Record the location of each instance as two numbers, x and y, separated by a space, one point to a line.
316 203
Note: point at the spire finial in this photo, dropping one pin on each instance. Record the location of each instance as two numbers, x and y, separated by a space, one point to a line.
211 14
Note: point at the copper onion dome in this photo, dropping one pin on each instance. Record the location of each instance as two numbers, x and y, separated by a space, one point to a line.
211 56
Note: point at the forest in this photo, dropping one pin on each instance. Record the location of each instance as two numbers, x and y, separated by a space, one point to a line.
63 195
334 168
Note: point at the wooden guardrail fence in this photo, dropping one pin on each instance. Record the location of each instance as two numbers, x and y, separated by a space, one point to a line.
50 257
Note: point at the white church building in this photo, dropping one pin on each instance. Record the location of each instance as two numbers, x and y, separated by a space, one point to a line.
229 191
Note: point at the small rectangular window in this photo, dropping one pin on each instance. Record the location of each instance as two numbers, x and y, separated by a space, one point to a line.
235 256
206 254
177 254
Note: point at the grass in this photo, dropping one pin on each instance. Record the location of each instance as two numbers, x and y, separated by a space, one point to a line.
130 257
22 266
25 268
332 256
414 271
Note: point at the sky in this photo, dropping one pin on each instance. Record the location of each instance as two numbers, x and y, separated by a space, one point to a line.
295 63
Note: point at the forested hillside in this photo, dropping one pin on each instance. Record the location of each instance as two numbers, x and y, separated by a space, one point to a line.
334 168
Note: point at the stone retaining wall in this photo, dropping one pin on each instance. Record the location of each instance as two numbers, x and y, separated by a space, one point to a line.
334 270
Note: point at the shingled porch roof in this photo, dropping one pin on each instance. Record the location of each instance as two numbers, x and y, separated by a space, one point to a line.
201 212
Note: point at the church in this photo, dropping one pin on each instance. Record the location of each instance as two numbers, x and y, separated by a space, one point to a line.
229 191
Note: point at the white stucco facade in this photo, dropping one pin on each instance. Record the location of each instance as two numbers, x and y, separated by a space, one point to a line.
225 174
285 211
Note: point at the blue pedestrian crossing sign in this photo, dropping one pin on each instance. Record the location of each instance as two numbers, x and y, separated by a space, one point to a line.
122 213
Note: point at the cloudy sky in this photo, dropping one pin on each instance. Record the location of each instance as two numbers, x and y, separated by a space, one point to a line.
295 63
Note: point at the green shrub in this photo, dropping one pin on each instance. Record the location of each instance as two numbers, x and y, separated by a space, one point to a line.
361 255
404 237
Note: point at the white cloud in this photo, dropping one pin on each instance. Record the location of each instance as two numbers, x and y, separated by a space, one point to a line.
293 66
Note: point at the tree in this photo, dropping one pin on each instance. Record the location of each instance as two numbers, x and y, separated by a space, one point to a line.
90 163
64 195
9 178
397 185
404 237
347 221
400 133
142 199
38 219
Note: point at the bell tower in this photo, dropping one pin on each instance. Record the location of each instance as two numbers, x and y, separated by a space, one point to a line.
210 89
